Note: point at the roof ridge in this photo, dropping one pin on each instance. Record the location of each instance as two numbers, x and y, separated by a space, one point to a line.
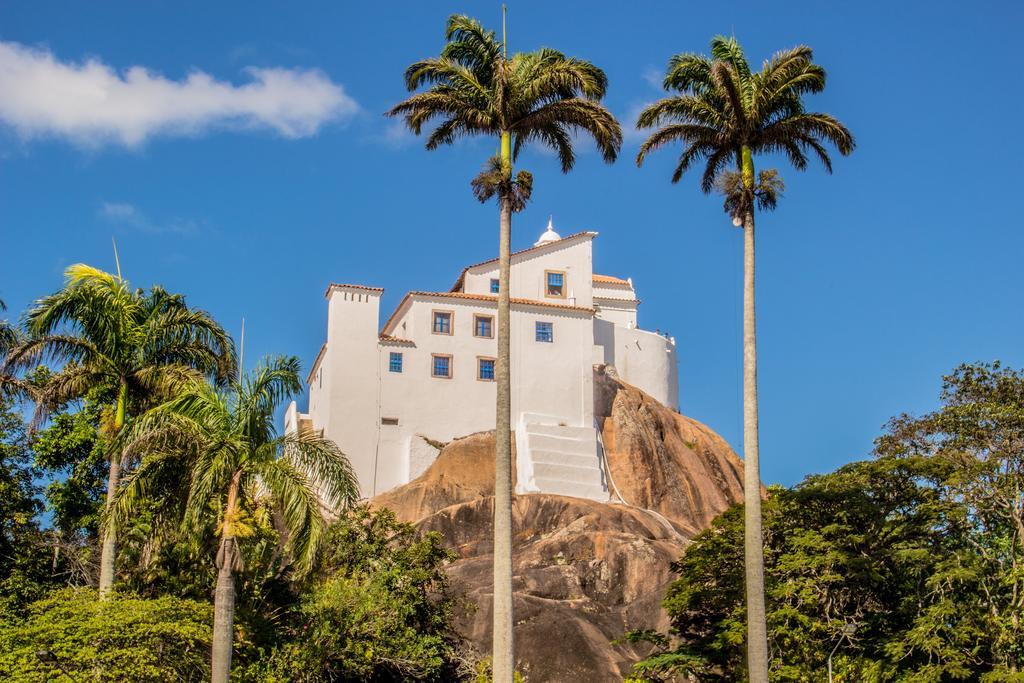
462 275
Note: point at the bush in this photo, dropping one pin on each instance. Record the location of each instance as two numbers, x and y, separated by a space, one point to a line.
120 639
376 609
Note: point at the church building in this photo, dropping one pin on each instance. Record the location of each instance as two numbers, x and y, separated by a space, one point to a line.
389 394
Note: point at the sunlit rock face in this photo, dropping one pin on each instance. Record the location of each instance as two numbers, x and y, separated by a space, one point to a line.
585 571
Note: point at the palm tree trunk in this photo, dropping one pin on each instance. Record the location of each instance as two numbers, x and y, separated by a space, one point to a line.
757 632
108 551
503 654
224 596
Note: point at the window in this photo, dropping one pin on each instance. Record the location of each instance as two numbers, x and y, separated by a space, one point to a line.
555 283
485 369
545 332
494 285
483 326
395 362
391 421
441 367
442 322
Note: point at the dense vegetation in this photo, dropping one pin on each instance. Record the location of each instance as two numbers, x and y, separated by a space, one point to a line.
921 548
222 543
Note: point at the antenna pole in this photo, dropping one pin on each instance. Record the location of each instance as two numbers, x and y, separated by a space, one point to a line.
117 261
504 42
241 353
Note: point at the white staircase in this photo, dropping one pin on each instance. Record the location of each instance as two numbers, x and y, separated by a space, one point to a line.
555 458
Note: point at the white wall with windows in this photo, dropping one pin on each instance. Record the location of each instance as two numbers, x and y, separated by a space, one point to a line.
427 374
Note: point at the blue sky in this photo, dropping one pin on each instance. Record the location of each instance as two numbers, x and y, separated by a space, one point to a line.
252 187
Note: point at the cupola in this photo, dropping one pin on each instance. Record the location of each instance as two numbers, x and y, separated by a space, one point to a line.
549 235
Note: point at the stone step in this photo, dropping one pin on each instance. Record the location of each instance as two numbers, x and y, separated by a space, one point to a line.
548 442
551 470
574 489
539 419
564 432
549 457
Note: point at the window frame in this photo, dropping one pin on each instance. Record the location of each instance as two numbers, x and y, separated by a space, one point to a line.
478 316
551 332
495 285
391 362
451 321
565 284
494 368
433 367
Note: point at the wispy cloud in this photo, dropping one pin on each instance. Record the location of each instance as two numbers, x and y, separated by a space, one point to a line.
91 104
125 215
653 77
630 133
395 135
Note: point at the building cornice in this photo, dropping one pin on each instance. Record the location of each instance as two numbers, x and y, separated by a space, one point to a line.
388 339
609 280
362 288
517 302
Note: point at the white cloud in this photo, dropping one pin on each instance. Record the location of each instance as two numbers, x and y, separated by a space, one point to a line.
128 216
92 104
653 77
630 133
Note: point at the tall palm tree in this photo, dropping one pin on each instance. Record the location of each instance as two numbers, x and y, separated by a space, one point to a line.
724 115
542 97
133 347
234 458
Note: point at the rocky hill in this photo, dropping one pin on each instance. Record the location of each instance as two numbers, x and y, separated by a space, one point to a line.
585 571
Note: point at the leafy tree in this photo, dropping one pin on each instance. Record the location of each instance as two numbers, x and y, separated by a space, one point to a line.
24 562
376 608
237 469
724 114
124 347
541 97
919 548
977 438
121 639
72 452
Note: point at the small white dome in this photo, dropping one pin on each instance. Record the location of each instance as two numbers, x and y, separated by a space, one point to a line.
549 235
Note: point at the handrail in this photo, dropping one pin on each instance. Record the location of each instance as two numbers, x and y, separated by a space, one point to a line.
608 472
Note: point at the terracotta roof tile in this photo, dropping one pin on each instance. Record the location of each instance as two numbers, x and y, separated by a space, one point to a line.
316 363
388 339
363 287
608 279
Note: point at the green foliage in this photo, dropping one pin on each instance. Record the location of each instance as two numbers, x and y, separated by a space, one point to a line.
121 639
376 608
723 114
540 97
921 548
73 454
24 560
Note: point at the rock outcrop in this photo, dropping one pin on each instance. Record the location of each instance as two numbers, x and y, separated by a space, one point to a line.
585 571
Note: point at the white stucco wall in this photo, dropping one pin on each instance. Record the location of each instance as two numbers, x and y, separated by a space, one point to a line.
573 256
547 378
346 404
648 361
380 419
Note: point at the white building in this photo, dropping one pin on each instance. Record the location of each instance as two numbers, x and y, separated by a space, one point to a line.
383 393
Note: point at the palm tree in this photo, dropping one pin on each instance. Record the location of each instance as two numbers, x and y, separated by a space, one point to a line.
723 115
12 387
543 97
234 457
132 347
